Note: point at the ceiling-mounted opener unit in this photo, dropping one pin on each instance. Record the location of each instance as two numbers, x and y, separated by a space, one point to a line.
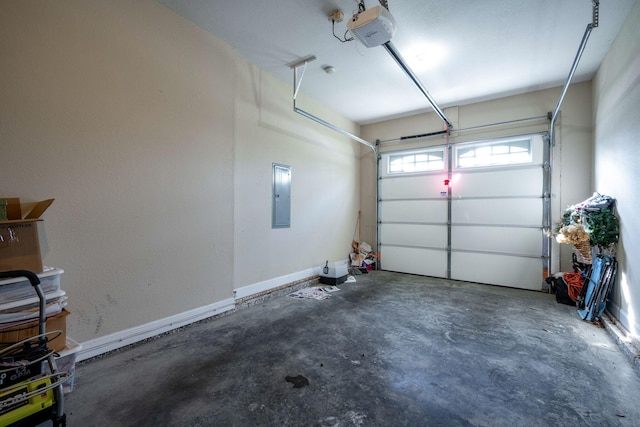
375 27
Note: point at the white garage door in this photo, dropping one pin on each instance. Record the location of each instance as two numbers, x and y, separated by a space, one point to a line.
471 211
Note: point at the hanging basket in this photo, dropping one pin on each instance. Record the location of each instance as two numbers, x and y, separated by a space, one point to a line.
583 252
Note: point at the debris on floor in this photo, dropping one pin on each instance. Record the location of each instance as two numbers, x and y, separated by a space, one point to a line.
315 292
363 257
298 381
329 289
355 272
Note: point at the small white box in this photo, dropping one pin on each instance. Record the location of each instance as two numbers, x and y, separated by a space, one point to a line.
333 273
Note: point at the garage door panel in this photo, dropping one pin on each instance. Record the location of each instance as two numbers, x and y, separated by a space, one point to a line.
412 187
426 262
499 183
414 211
522 241
434 236
486 227
497 211
523 273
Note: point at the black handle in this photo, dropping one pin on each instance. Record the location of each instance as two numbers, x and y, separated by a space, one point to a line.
35 280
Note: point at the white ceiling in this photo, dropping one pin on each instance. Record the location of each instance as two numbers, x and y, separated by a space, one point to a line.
490 48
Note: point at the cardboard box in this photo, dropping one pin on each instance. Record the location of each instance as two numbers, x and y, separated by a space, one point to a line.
12 208
28 330
19 238
20 246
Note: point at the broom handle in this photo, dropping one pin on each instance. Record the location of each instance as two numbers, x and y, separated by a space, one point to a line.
359 216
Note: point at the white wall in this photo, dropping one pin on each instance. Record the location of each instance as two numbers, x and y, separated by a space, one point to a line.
156 141
325 172
617 157
121 112
571 182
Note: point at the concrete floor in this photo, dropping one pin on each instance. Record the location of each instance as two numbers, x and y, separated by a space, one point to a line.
389 350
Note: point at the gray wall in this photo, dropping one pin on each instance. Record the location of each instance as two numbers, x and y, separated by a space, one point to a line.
616 115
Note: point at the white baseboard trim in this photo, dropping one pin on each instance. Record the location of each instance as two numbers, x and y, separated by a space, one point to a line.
628 343
621 315
101 345
114 341
267 285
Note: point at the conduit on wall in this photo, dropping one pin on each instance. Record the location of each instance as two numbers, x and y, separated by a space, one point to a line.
296 88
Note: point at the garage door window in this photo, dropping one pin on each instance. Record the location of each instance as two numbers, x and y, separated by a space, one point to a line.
417 161
494 154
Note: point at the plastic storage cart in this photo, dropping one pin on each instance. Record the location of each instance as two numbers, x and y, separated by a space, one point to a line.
28 395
